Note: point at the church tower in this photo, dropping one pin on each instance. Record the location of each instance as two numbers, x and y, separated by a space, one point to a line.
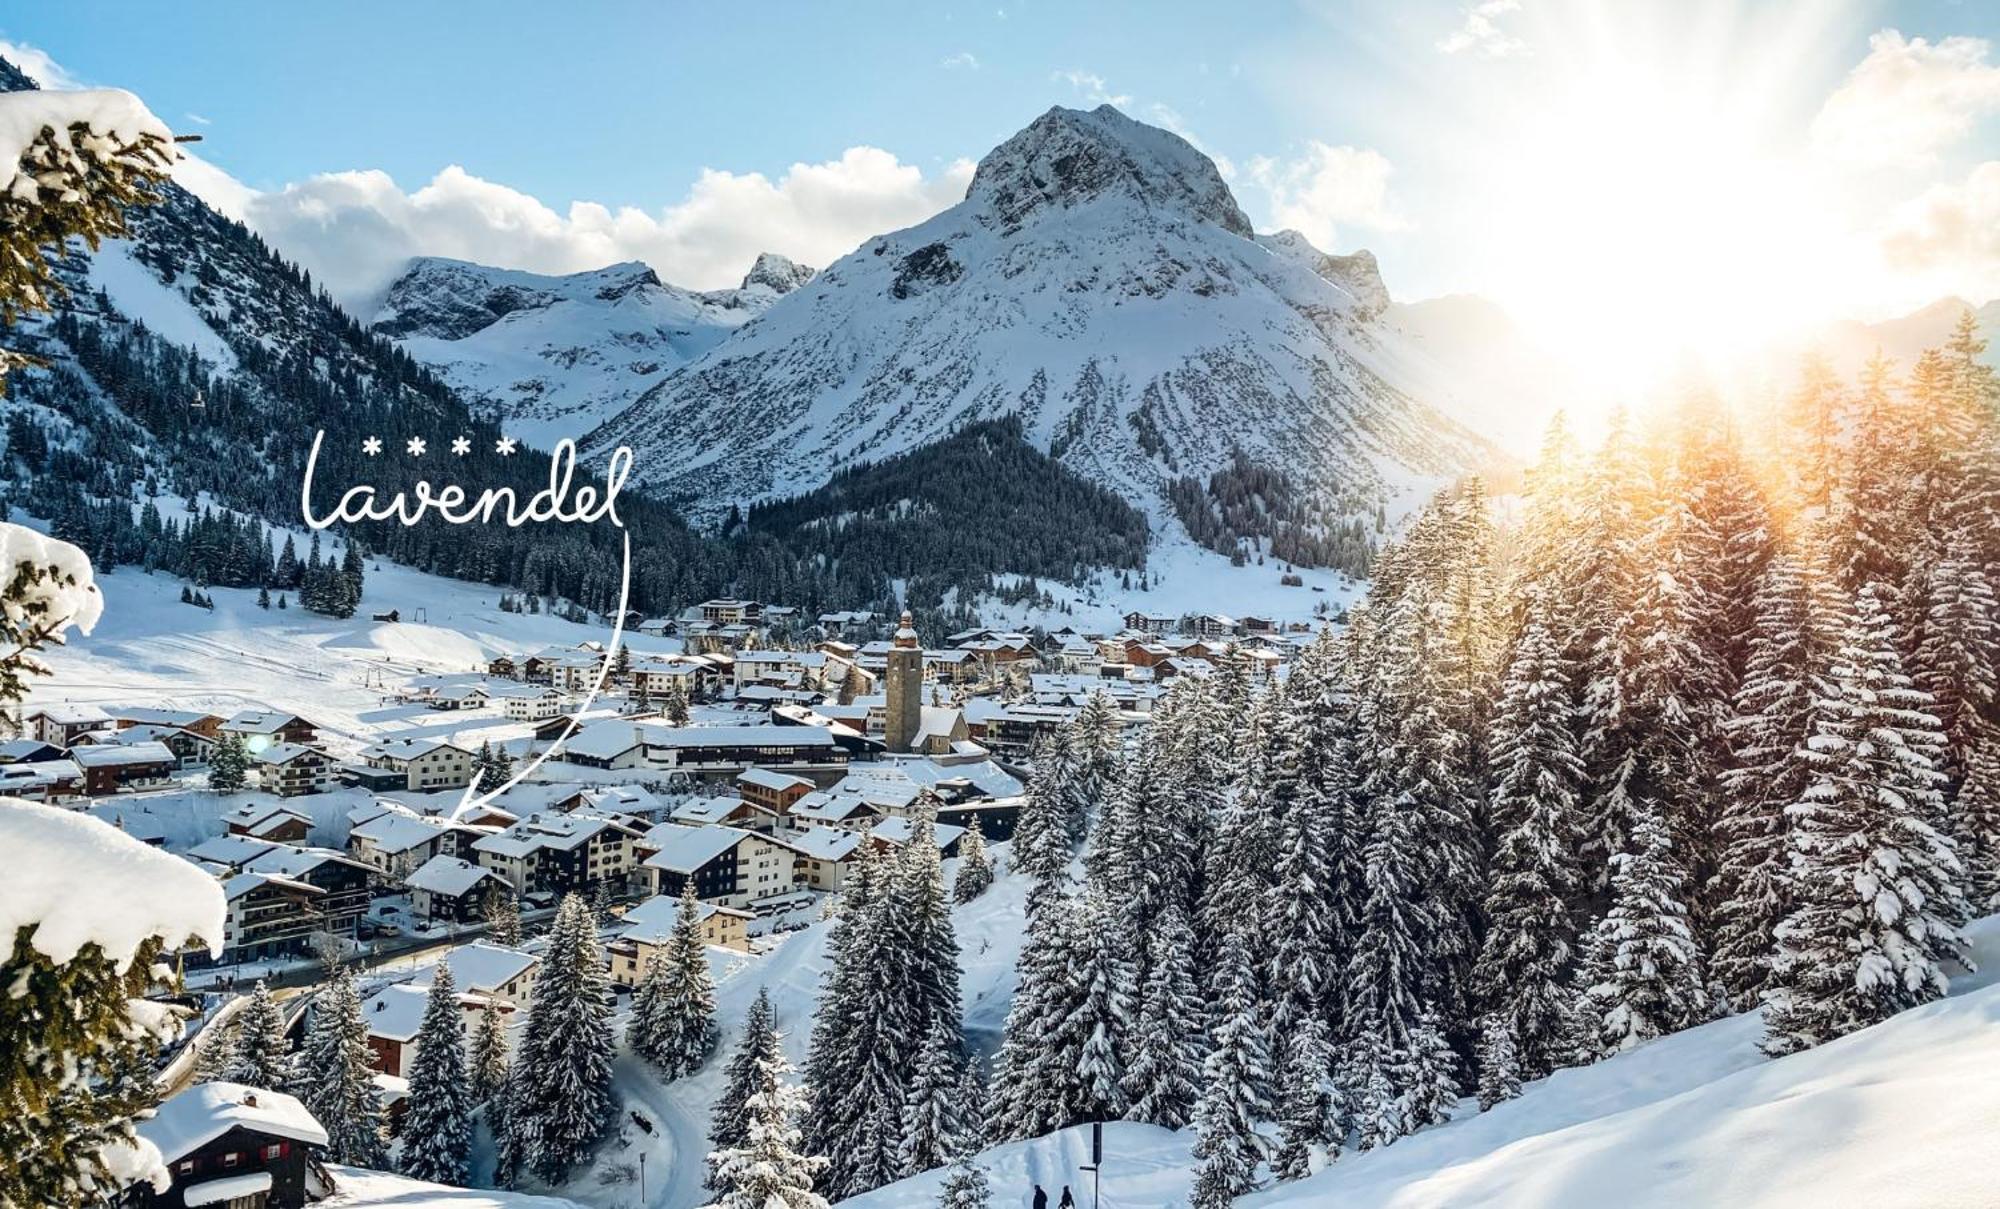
904 684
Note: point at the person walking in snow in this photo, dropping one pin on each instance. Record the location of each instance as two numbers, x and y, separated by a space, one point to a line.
1041 1199
1067 1201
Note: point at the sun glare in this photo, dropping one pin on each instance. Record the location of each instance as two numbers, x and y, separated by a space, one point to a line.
1647 210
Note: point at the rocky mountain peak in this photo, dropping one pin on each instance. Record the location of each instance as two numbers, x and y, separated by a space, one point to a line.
778 274
1357 272
1070 157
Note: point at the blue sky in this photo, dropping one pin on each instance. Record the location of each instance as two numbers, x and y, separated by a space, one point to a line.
1509 147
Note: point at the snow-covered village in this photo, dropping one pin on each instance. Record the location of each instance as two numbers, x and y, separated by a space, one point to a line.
1066 609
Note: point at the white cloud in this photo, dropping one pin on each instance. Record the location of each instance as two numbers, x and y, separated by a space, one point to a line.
1908 100
1952 234
1479 31
1327 189
963 59
1091 87
354 230
36 63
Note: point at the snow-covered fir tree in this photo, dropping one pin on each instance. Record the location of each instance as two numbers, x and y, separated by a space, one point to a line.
1797 620
337 1071
1499 1062
673 1015
486 1068
1875 878
933 1126
562 1069
229 763
1526 966
769 1170
975 865
967 1187
1645 977
1237 1080
1312 1112
728 1124
1170 1042
437 1128
259 1054
502 912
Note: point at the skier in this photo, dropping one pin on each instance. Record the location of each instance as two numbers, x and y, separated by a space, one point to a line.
1041 1200
1067 1201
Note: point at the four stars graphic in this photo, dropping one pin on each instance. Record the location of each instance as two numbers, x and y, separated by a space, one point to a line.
460 445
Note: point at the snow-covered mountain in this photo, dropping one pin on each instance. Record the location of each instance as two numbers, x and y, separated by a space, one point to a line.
1849 345
1100 281
556 356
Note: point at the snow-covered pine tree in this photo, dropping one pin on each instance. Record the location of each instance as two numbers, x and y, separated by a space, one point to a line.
1380 1115
1041 844
1238 1077
260 1055
967 1187
1647 980
934 1127
1875 883
487 1067
1956 659
1499 1064
564 1062
1163 1072
1312 1114
728 1122
437 1130
1093 743
1301 931
337 1071
1525 967
975 866
1098 1027
1036 1087
833 1124
769 1170
1797 623
1432 1081
229 764
681 1031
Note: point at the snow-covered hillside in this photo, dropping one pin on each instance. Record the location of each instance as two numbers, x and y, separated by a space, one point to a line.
1899 1116
1100 281
553 357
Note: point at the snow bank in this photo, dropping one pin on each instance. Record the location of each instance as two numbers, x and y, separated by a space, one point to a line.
65 591
115 118
76 881
356 1188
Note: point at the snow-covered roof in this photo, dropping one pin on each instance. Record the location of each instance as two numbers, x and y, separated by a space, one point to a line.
286 860
138 823
706 810
652 921
228 1189
739 736
39 773
396 831
259 721
682 849
195 1117
396 1013
407 749
114 755
823 843
257 810
804 659
482 966
562 831
764 778
66 713
832 806
245 883
135 890
896 830
605 740
231 850
447 875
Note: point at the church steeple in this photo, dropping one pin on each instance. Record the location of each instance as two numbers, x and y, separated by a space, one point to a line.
904 688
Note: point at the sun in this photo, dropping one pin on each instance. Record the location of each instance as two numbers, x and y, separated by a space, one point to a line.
1647 200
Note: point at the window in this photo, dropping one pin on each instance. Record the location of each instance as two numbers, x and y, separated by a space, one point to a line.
186 1167
274 1152
231 1159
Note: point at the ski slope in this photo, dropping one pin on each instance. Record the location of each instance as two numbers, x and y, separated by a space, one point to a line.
1899 1116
